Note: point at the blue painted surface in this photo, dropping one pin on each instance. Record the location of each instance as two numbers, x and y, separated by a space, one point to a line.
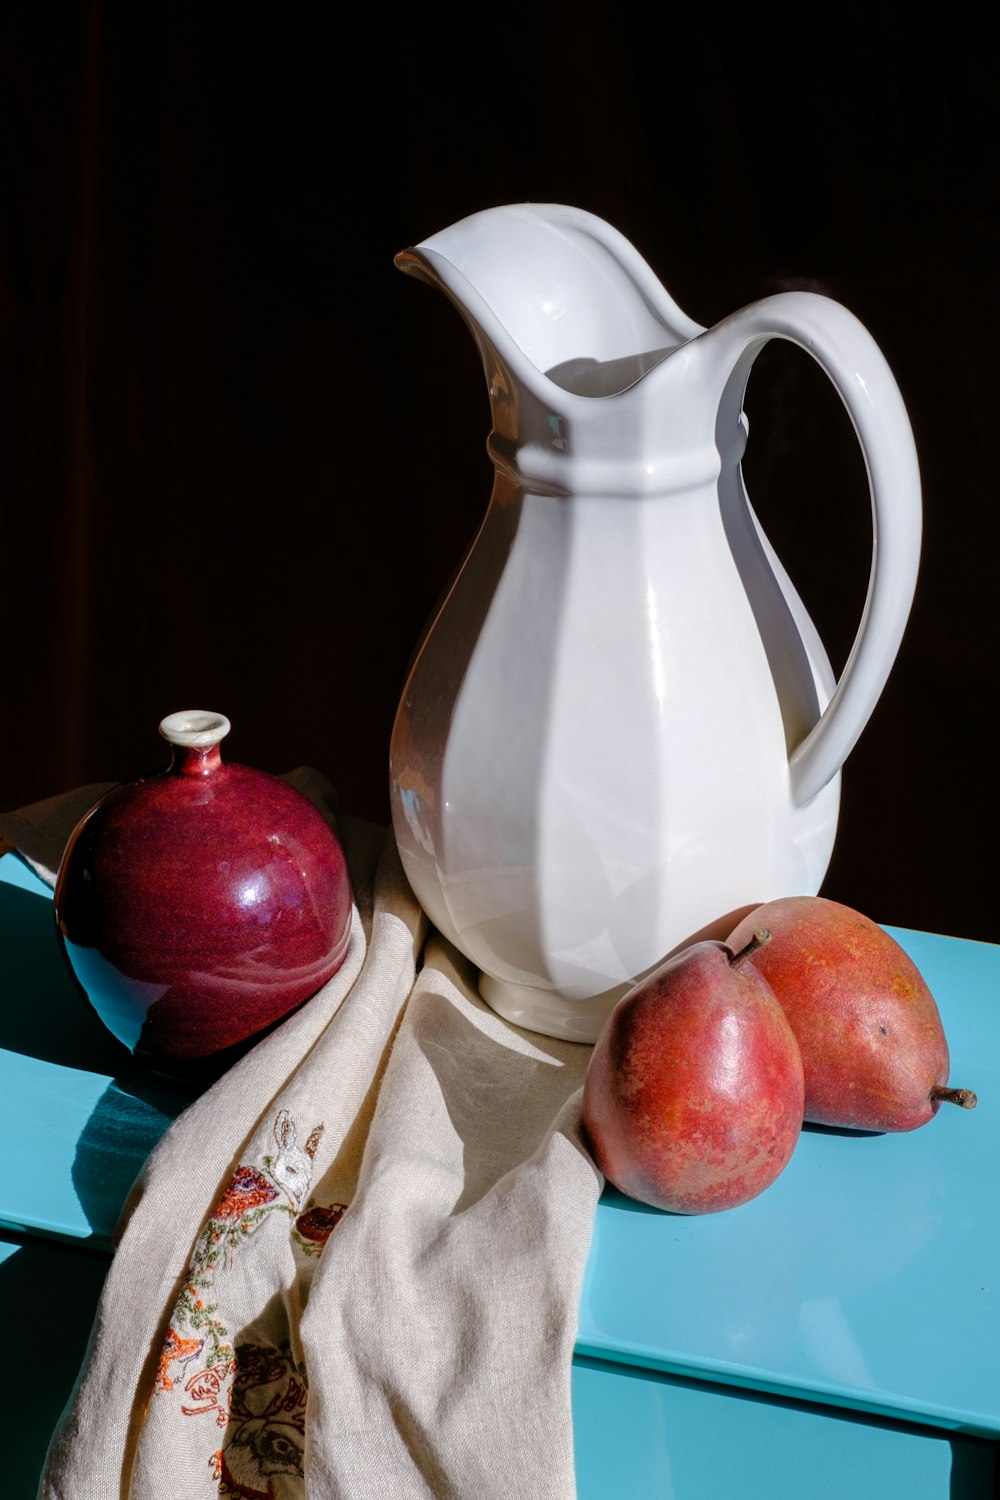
650 1437
15 872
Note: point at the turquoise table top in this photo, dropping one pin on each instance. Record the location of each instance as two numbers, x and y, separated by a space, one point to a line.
867 1276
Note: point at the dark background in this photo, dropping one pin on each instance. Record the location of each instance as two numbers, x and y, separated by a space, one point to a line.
241 455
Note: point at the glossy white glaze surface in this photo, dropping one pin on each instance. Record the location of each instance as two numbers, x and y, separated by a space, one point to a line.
622 726
195 728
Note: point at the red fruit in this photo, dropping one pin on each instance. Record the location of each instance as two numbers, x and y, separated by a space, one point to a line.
869 1030
693 1097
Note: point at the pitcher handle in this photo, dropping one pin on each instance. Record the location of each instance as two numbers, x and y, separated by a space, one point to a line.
846 351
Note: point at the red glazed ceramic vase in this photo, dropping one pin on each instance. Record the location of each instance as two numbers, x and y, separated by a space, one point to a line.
200 906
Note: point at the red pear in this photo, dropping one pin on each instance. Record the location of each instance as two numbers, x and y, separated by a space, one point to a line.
693 1096
873 1046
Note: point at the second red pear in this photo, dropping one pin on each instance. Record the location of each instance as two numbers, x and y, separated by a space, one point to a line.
873 1046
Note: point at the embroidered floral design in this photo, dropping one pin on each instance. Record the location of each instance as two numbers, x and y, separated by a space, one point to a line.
208 1392
176 1350
267 1436
314 1227
247 1190
197 1335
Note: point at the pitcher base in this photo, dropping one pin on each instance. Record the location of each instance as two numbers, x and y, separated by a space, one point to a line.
548 1012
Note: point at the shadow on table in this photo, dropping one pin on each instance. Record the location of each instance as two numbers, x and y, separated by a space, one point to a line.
49 1293
45 1015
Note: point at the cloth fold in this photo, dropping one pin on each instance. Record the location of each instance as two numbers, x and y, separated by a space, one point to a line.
352 1267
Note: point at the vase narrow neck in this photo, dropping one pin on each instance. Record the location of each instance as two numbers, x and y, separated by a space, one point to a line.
195 760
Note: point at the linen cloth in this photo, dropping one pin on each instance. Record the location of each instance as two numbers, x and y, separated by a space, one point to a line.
352 1267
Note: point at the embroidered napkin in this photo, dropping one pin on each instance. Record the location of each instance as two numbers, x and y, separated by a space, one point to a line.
351 1269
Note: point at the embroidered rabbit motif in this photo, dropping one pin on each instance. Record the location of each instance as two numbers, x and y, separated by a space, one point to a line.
292 1167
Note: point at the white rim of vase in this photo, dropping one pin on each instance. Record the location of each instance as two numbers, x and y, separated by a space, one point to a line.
195 728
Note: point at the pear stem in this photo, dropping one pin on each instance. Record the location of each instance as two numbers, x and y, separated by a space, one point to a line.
964 1098
760 938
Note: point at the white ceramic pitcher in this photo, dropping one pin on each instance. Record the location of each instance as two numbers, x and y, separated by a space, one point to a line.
622 727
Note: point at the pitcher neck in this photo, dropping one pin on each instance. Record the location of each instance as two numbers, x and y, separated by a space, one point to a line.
548 468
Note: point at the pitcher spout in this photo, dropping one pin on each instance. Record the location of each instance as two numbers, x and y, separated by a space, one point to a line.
560 297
